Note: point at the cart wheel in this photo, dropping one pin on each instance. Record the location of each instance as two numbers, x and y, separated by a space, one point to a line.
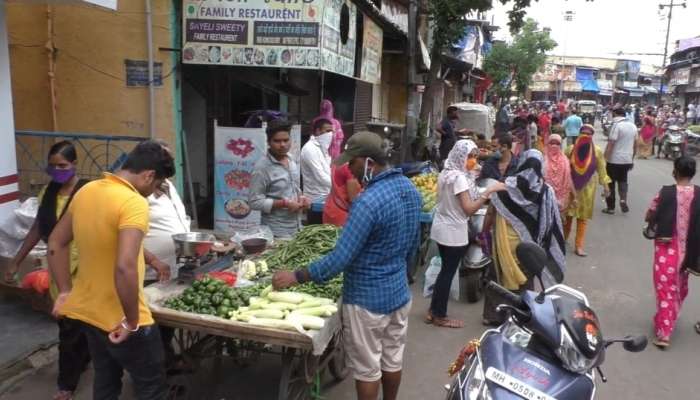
474 285
297 374
185 386
337 365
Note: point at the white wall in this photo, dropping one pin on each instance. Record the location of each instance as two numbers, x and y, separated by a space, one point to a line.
9 191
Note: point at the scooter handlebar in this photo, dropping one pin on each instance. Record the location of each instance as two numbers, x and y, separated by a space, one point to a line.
511 297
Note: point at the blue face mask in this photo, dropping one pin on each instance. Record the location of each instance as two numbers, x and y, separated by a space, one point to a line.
367 175
497 154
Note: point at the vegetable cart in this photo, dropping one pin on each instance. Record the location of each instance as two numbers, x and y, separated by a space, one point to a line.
204 337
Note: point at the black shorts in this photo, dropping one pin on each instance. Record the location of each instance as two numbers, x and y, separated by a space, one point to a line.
618 172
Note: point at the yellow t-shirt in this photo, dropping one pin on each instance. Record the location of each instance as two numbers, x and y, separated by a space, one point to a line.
61 201
99 210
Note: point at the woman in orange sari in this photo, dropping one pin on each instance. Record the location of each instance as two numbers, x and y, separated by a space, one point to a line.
344 189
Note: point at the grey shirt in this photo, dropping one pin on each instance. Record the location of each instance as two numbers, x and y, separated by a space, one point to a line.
273 181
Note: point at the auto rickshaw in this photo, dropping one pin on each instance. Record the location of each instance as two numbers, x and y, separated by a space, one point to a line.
586 110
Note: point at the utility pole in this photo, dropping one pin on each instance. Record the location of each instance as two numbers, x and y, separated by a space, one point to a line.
568 17
410 132
670 6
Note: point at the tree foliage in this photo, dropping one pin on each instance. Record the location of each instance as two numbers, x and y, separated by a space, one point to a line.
516 62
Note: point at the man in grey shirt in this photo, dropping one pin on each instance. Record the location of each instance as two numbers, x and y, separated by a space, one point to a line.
274 188
619 155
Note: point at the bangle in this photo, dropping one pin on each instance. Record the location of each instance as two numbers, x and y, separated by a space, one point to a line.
124 324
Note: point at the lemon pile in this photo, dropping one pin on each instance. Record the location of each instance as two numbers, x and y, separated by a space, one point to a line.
427 187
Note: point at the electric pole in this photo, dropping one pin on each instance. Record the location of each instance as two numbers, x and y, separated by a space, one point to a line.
668 28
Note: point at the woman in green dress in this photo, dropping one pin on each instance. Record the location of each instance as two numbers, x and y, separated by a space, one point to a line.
587 167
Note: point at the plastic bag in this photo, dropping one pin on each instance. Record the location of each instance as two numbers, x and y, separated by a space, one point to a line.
15 227
37 280
260 231
431 275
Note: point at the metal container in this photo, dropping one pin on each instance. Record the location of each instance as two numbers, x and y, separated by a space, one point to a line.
193 244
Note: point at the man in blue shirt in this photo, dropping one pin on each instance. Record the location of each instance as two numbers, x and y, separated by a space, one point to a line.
381 235
572 126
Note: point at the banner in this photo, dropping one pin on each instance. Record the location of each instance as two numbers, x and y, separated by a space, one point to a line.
236 151
680 76
372 43
339 37
252 32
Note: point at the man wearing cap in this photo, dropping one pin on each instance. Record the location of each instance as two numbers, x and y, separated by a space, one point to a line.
380 236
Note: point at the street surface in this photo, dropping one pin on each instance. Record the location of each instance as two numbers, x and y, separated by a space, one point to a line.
616 277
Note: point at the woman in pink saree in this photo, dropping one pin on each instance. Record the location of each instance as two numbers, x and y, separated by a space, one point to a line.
338 135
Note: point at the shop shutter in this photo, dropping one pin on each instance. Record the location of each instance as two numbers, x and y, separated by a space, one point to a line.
363 104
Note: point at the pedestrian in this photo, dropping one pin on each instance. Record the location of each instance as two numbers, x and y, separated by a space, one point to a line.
274 187
646 136
587 167
458 199
503 119
344 189
381 234
107 221
572 126
503 163
533 138
526 211
327 112
674 216
691 114
448 132
73 356
619 155
520 134
316 166
558 173
544 123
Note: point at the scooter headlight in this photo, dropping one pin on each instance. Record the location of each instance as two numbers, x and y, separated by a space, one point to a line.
570 356
476 388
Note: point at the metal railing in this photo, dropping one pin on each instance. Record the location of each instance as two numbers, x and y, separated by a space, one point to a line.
96 154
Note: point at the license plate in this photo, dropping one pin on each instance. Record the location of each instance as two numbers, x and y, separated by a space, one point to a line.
514 385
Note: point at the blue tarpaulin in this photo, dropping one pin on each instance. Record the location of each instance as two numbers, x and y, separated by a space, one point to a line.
587 79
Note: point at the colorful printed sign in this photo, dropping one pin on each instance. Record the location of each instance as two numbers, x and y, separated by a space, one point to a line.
338 47
253 32
372 43
680 76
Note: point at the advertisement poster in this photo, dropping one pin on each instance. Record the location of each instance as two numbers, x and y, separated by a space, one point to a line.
339 37
252 32
236 152
372 43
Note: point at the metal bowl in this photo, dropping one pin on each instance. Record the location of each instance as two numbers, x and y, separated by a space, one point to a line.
193 244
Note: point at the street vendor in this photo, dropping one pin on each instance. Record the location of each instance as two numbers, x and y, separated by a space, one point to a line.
274 187
316 165
381 234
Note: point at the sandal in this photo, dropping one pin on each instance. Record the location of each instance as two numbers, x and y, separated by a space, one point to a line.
580 253
608 211
429 318
63 395
448 323
624 207
662 344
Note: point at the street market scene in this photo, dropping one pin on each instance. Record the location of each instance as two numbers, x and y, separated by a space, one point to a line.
349 199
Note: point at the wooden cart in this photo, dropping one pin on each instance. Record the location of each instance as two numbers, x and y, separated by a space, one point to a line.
203 337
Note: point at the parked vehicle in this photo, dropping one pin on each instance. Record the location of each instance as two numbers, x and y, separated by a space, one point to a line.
692 146
673 142
586 110
475 262
549 348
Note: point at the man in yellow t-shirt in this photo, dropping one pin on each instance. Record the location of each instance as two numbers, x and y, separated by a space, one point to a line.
107 221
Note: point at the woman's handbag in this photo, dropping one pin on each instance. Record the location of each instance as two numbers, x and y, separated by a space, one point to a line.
649 232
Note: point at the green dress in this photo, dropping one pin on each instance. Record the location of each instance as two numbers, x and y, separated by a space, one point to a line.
585 198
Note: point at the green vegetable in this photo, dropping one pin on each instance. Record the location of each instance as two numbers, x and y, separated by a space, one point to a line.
275 314
308 245
279 306
286 297
217 299
307 321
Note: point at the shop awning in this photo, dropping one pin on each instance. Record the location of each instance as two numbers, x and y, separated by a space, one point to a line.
635 92
605 92
590 85
650 89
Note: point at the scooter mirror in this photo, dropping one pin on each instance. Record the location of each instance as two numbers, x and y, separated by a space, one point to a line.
635 344
532 257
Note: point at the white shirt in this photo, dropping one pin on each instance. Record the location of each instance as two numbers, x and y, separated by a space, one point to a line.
167 217
315 169
624 134
450 223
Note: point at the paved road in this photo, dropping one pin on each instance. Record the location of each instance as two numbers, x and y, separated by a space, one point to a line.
617 278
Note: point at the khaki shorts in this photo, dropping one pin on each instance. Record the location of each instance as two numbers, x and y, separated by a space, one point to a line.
374 342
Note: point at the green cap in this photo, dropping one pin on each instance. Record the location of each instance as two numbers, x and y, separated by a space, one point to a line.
362 144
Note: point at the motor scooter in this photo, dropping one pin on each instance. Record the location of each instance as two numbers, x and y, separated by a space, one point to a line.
550 347
692 146
673 142
475 262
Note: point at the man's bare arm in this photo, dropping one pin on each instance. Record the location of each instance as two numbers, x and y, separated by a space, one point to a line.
126 276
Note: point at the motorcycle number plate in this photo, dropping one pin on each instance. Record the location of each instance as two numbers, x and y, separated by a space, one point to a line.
514 385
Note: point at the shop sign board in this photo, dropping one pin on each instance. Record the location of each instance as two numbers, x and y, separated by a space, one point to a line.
137 73
260 33
541 86
372 42
680 76
553 72
236 151
271 33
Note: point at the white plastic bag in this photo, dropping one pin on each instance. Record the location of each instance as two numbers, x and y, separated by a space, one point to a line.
431 274
257 232
15 227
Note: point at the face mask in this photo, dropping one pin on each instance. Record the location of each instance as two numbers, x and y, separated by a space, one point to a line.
497 155
60 175
367 175
325 140
471 164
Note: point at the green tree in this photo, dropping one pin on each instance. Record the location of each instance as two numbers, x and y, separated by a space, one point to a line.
516 62
447 21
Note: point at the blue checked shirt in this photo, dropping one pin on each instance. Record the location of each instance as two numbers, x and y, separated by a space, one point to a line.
381 234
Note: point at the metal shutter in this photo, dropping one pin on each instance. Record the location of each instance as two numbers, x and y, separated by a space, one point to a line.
363 104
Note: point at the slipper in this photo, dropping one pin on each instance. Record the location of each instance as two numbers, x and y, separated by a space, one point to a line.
580 253
429 318
624 207
448 323
662 344
608 211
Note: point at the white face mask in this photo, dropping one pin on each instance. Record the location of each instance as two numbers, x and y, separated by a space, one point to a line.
325 140
367 175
